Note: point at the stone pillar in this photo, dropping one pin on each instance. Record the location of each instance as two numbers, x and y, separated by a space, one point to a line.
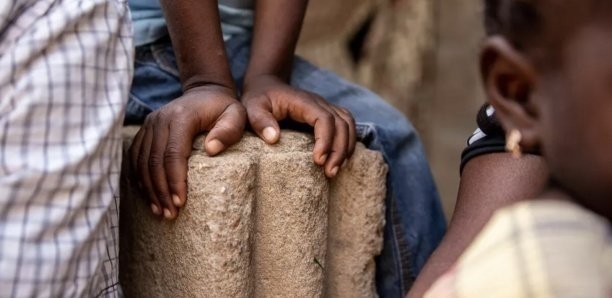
260 221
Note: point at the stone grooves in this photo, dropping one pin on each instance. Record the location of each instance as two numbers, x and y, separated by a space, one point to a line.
260 221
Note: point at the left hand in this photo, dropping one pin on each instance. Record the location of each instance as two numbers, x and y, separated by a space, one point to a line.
163 145
268 99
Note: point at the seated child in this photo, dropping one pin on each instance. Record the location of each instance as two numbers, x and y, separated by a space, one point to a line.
209 68
547 70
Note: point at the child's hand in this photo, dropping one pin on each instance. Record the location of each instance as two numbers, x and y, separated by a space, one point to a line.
162 147
269 99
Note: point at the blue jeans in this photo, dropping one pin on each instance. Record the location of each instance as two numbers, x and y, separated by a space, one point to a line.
415 221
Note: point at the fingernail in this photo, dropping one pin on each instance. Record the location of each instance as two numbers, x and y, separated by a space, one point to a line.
213 147
167 214
177 201
155 209
323 158
334 171
269 133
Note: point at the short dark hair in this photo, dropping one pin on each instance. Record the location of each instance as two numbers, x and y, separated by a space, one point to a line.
517 20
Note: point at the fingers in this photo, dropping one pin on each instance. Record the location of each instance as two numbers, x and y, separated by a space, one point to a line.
334 128
344 137
135 148
263 121
159 155
309 111
135 161
157 173
339 150
161 149
352 134
142 170
227 130
176 156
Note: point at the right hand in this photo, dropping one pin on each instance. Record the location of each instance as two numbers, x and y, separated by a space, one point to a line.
162 146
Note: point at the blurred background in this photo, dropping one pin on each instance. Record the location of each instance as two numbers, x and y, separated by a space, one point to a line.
420 55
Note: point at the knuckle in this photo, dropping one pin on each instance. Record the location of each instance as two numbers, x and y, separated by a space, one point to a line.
255 100
327 117
240 109
155 161
150 118
273 94
162 195
341 123
167 114
345 111
177 110
257 118
173 153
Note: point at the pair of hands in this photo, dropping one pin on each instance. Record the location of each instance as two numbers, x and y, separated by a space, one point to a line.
161 149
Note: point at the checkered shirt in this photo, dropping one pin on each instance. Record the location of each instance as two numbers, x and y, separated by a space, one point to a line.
65 69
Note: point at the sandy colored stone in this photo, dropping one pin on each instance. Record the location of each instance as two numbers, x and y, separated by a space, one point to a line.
356 223
207 250
292 201
260 221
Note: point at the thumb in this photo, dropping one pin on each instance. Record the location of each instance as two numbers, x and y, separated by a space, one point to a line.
227 130
264 124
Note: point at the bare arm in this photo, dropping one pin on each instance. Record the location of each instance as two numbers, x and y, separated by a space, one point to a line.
277 28
197 40
488 182
162 147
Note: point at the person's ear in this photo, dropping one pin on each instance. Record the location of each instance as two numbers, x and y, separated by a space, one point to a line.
509 81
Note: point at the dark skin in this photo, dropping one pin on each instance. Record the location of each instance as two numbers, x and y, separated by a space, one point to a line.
488 182
162 147
269 98
563 110
561 103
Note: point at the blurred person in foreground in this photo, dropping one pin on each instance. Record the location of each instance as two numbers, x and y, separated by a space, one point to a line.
546 69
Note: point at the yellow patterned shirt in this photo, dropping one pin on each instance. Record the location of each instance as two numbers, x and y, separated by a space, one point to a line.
547 248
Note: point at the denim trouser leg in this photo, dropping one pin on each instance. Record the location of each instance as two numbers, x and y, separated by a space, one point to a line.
414 218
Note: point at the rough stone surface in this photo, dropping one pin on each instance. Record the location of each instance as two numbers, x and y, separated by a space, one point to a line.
356 222
260 221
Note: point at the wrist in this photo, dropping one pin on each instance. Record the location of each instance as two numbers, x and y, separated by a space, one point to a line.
200 83
254 80
211 88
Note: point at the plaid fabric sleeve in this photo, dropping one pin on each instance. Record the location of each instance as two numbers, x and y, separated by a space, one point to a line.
65 69
547 248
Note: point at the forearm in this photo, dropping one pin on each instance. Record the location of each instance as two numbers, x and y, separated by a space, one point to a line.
277 29
488 182
195 30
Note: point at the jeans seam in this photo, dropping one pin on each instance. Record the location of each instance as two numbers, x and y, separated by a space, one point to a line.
139 102
363 131
161 61
404 255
